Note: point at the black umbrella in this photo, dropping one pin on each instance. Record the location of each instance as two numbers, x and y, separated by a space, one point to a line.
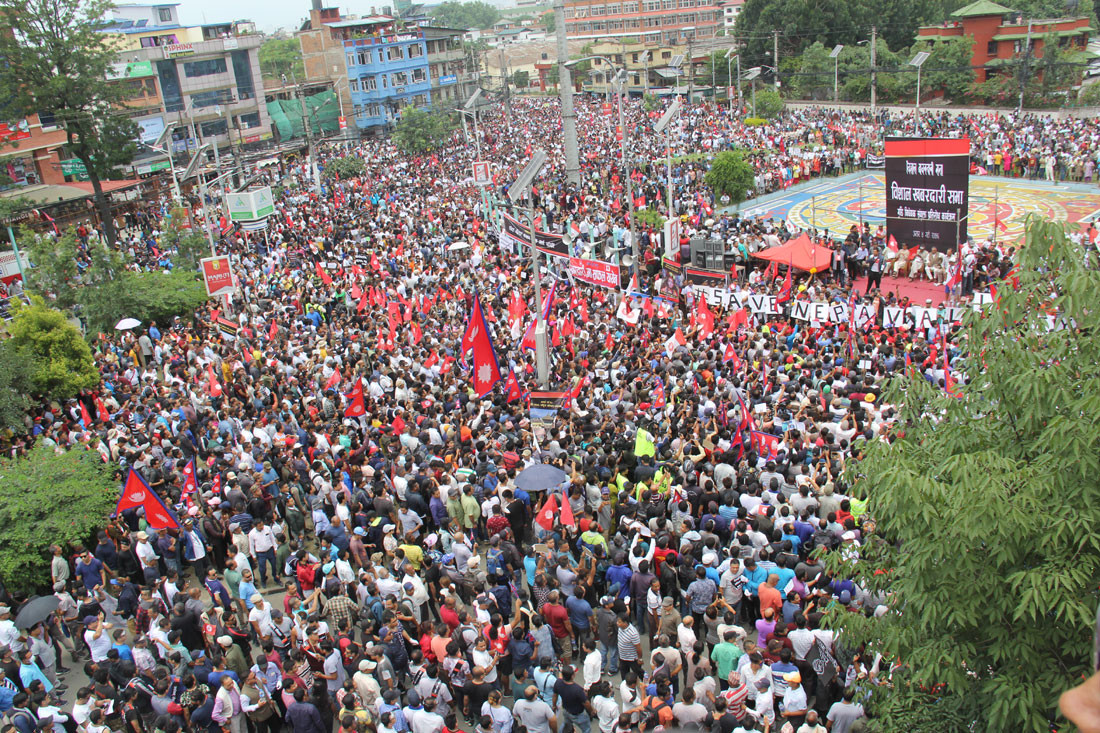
36 610
540 477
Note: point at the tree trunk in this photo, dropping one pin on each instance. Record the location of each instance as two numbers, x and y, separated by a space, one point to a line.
101 203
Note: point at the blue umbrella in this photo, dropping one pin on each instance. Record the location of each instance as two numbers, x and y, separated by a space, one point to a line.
540 477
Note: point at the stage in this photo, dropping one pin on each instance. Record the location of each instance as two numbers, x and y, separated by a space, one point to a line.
996 203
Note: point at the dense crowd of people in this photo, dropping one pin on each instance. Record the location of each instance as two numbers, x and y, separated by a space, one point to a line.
392 571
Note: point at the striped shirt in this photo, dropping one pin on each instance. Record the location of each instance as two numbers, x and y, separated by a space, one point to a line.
628 640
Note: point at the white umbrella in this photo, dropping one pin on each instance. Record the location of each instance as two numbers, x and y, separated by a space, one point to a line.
458 245
126 324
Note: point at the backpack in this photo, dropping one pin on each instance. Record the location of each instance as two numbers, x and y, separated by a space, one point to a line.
651 714
459 637
11 716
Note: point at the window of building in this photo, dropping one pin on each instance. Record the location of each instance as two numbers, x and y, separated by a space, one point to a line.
596 10
248 121
633 23
419 75
395 53
599 26
242 75
385 81
569 13
214 127
373 110
165 15
420 100
991 48
415 51
209 99
353 85
400 79
582 12
370 83
205 67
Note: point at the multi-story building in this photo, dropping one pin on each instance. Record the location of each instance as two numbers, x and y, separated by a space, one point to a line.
656 72
729 10
652 21
29 151
1000 34
379 65
203 81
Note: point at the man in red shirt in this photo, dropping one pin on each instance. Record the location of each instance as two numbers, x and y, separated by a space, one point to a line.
770 597
558 619
448 614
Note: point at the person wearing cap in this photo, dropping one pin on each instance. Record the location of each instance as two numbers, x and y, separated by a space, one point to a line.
792 708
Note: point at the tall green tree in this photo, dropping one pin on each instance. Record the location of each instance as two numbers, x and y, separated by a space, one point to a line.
730 175
946 69
420 132
986 551
475 14
61 362
15 386
280 56
49 498
56 61
814 79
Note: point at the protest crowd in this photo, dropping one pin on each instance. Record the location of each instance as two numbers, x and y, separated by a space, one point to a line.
358 549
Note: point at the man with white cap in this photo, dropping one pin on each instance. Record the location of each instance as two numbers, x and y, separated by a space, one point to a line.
793 705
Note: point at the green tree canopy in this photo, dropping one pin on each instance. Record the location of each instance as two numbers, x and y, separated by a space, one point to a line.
520 79
280 56
730 175
56 60
986 550
768 103
15 386
61 362
420 132
345 167
475 14
49 498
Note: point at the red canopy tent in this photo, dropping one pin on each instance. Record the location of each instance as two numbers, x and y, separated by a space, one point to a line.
801 253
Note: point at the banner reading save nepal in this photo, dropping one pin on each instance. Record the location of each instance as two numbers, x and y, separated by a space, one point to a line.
818 313
593 272
927 191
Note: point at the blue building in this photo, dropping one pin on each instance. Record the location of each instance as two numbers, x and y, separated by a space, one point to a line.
386 73
379 65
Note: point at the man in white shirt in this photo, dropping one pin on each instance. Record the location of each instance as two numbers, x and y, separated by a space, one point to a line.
260 617
261 546
593 664
148 558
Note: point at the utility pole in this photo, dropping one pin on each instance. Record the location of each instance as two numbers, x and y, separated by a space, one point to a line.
565 89
506 88
1025 72
775 58
309 135
691 70
874 38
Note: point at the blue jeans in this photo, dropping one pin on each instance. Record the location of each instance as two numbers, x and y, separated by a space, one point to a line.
266 558
610 655
582 723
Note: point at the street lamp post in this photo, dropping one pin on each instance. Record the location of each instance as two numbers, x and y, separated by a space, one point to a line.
918 61
752 75
620 76
835 55
665 125
520 190
729 76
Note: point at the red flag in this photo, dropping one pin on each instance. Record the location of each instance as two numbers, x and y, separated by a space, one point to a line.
398 425
273 330
891 243
101 409
85 416
217 484
325 278
333 380
355 292
362 306
739 319
516 307
609 342
704 316
567 517
512 388
357 406
730 354
765 444
486 371
659 396
431 361
417 334
212 385
190 483
374 263
956 274
136 493
545 517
